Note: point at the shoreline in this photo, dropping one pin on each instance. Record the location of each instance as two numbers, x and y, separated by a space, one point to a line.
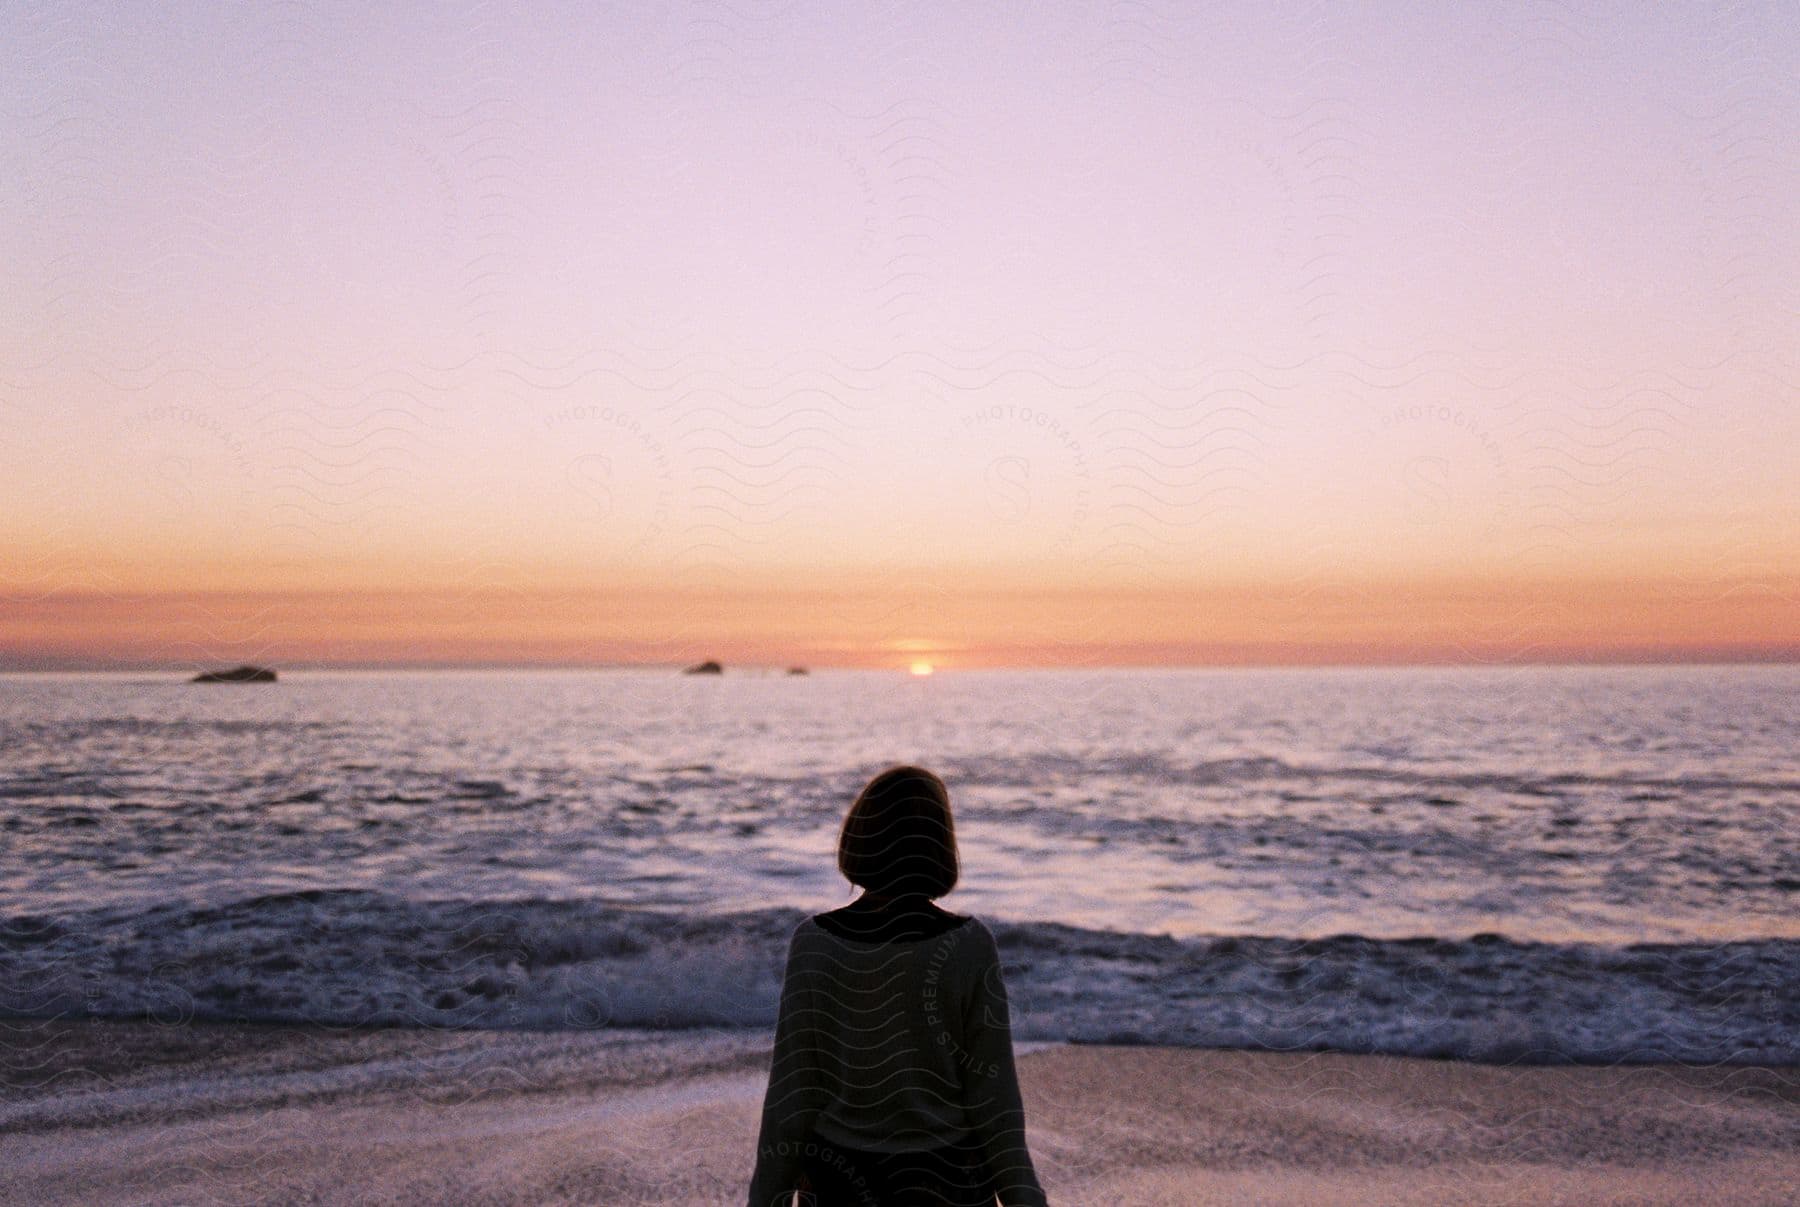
103 1112
354 957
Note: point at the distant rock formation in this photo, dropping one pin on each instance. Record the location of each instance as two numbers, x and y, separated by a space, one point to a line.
237 674
796 670
705 668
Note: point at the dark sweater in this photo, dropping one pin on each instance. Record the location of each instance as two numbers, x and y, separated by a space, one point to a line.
893 1036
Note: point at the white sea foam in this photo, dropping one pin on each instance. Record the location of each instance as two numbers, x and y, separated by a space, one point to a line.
354 958
585 850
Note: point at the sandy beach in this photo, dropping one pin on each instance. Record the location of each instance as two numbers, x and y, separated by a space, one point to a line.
136 1113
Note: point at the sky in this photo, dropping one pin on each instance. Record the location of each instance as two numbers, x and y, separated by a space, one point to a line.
1115 334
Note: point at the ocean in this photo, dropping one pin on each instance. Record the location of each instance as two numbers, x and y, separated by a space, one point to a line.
1508 863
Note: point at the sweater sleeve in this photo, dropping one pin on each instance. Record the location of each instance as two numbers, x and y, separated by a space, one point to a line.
991 1083
794 1095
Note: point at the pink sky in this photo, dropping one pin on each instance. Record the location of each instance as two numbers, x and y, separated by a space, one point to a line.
1069 333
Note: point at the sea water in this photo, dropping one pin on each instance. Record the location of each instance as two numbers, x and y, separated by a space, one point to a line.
1509 862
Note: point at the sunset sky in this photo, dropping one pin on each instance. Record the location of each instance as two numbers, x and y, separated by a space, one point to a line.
853 335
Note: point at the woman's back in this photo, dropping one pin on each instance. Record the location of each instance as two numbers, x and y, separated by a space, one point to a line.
885 1002
892 1080
894 1038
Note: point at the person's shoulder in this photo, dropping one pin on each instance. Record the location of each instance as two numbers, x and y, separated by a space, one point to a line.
965 922
805 931
963 928
971 923
974 936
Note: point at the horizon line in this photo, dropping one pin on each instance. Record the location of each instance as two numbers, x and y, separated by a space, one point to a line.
1710 658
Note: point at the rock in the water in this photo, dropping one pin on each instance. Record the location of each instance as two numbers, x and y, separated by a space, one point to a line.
796 670
705 668
237 674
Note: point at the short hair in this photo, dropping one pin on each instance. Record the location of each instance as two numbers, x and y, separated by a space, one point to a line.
898 836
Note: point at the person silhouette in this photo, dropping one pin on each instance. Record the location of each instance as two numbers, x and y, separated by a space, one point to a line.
892 1082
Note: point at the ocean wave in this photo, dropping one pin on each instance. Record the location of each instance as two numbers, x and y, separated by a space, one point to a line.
1231 772
359 958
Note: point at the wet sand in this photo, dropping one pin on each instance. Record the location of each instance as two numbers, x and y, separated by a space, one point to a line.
136 1113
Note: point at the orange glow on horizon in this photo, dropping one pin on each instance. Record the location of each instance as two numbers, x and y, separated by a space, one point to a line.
1104 375
1404 621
